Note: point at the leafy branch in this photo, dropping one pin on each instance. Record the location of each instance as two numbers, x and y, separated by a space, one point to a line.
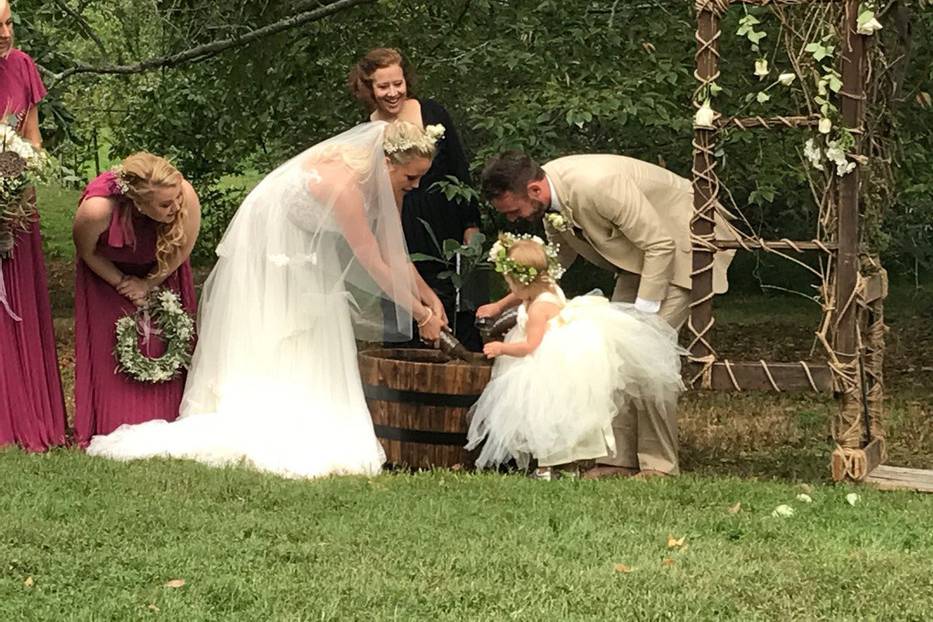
208 50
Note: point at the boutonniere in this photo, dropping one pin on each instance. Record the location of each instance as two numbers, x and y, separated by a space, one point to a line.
557 221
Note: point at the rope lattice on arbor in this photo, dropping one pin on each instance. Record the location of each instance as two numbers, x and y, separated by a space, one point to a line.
856 374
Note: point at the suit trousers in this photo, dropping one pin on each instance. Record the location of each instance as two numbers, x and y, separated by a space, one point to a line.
645 438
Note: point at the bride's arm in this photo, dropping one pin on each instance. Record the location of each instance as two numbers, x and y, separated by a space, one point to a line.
350 217
428 296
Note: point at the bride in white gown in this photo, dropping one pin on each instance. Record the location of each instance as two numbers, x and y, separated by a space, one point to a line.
314 251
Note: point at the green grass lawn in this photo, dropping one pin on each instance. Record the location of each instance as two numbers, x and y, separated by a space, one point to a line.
90 539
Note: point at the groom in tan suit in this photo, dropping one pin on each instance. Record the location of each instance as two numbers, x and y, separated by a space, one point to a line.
629 217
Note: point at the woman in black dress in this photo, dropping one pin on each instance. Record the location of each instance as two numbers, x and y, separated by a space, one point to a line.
381 82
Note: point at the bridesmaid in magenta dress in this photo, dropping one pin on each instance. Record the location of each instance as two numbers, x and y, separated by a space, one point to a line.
32 409
133 231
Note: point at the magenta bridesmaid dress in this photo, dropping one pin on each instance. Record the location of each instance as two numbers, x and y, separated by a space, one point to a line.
105 398
32 408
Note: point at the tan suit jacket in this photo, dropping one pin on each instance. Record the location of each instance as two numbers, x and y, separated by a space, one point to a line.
629 215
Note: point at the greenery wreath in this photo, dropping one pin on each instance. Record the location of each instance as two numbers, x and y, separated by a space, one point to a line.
162 315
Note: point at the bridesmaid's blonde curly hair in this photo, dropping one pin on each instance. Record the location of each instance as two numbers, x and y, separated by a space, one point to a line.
142 172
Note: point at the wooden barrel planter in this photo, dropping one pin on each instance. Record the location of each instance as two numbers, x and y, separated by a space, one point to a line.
420 402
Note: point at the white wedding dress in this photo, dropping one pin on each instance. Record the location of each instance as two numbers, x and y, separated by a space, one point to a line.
274 382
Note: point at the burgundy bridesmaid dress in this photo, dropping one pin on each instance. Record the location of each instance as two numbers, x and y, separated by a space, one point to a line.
105 398
32 408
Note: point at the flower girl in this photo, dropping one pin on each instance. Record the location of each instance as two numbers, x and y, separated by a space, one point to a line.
566 368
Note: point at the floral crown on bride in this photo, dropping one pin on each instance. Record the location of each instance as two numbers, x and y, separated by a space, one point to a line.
422 142
526 275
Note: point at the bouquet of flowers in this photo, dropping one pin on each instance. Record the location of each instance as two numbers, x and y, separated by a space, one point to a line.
21 165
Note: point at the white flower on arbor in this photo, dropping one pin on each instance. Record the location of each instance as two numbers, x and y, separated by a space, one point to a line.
812 153
826 125
837 155
787 78
761 68
867 24
704 116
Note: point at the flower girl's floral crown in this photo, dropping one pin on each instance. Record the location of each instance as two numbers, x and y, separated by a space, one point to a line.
424 142
526 275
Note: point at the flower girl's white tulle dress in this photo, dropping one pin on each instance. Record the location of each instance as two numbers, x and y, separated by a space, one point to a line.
557 404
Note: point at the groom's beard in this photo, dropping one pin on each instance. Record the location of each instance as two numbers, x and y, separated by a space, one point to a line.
539 209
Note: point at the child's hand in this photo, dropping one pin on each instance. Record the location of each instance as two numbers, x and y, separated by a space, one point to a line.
493 349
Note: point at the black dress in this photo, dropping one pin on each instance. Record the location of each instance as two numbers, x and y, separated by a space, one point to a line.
448 220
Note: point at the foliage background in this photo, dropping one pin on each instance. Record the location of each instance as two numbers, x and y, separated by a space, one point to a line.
546 76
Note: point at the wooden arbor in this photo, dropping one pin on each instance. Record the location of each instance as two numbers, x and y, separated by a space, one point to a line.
853 285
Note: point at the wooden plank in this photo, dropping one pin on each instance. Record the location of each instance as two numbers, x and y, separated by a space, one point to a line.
778 245
705 190
746 123
751 376
783 2
876 286
898 478
857 463
845 340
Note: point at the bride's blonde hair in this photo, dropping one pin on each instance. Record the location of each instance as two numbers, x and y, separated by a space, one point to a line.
142 173
404 141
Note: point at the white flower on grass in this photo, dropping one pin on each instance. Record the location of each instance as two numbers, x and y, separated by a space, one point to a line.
782 511
704 116
825 125
804 498
761 68
852 498
787 78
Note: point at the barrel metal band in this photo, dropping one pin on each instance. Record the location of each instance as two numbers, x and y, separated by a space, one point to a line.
424 437
443 400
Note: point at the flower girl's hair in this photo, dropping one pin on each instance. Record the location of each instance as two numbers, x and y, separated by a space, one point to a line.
138 176
528 253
